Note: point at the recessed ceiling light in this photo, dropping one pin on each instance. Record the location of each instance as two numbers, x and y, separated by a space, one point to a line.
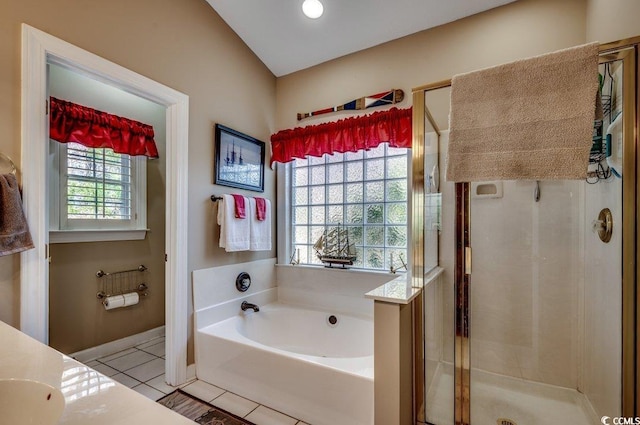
312 8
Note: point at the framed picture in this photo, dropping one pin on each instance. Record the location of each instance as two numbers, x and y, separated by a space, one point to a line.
239 160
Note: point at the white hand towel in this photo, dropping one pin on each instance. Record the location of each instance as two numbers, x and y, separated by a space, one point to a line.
259 230
223 234
234 232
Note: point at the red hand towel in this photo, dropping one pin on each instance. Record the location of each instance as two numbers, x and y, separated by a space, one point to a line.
240 209
261 208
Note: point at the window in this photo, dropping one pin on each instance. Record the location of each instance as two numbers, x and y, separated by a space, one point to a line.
96 191
365 191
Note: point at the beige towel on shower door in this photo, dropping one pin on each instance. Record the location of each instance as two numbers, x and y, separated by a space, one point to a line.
14 232
531 119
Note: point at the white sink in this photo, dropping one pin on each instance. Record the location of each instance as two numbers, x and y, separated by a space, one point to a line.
28 402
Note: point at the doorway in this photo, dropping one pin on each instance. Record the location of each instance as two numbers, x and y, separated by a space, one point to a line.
91 191
39 49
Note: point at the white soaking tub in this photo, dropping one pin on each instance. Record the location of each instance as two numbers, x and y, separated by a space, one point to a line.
293 360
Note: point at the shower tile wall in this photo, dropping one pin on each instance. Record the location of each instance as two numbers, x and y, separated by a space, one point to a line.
602 295
602 355
525 281
526 271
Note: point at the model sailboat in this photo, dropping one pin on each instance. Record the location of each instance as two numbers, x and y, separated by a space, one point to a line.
333 247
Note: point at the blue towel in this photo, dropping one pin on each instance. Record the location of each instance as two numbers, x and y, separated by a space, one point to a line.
14 231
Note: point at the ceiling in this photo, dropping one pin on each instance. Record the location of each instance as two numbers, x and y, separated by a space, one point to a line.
287 41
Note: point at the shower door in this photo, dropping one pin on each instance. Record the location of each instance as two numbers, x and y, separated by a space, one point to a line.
540 327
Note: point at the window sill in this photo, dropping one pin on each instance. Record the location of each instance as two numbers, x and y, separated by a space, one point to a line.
350 269
74 236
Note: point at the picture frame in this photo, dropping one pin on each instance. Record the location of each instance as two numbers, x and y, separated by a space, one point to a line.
239 160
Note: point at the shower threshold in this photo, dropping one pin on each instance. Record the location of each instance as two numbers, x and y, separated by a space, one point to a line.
498 397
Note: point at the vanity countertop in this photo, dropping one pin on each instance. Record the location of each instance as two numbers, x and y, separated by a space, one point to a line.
90 396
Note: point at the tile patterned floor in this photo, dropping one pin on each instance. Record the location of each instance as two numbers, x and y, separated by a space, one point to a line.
141 368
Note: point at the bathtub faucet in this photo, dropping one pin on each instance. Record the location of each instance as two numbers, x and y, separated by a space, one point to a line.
246 306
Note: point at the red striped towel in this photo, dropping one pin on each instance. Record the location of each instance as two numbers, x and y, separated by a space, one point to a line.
240 208
261 209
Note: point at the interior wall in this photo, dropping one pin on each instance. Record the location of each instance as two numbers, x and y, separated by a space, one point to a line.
183 44
612 20
72 271
517 30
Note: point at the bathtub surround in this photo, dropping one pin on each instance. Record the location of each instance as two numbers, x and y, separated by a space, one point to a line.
292 359
216 287
393 363
249 353
342 291
527 120
395 304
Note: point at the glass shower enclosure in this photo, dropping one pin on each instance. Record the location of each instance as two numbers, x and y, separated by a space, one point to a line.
533 319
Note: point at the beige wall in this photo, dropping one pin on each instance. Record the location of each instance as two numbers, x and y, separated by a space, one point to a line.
182 44
514 31
517 30
612 20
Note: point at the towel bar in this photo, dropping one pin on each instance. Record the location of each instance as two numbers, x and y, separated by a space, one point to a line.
215 198
140 268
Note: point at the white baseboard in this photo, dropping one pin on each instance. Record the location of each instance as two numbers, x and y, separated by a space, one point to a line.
93 353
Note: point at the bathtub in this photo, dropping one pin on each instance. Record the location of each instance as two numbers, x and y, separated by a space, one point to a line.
294 360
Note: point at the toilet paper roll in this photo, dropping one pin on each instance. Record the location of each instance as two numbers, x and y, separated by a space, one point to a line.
114 301
131 298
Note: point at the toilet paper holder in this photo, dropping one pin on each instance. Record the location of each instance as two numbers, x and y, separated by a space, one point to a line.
122 282
142 290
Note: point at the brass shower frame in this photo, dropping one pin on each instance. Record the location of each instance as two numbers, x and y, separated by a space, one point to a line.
625 50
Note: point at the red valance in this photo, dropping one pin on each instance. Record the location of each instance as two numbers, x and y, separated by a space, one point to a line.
347 135
70 122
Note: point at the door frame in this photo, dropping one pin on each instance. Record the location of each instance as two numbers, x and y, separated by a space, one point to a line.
38 49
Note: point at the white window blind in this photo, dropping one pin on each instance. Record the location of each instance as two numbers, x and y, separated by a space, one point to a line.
96 194
98 184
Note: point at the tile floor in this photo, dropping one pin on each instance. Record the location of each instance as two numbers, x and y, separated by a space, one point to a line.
141 368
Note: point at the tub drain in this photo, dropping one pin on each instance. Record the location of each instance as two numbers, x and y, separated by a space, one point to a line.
504 421
332 321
